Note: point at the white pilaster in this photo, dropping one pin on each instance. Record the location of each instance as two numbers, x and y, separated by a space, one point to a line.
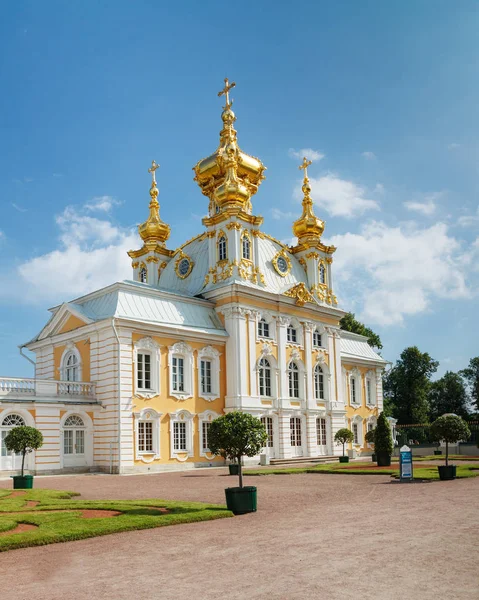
253 317
282 323
236 357
308 363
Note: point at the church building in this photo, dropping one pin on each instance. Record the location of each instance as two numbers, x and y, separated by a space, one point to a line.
129 378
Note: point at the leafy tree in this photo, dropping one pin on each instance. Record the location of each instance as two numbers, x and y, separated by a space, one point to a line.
343 436
383 439
448 395
471 376
449 428
235 435
407 384
23 439
369 437
349 323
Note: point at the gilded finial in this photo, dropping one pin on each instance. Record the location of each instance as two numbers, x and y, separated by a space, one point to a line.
225 92
304 166
152 170
308 226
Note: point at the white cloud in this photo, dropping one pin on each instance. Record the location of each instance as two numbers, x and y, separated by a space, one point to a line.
101 204
379 188
278 214
309 153
469 220
428 204
368 155
453 146
393 272
2 235
92 254
339 197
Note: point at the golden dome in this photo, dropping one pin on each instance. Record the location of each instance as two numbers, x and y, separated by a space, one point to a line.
308 228
153 229
229 176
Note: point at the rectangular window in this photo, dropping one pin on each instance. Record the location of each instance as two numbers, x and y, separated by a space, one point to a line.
316 339
263 329
293 384
205 368
68 441
178 374
179 436
268 425
321 431
145 436
205 429
291 335
352 383
369 398
356 433
143 371
295 425
80 442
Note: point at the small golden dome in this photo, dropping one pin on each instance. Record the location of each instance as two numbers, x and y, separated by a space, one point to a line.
153 229
308 228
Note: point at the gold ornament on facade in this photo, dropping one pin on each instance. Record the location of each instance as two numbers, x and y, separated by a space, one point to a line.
301 293
229 177
282 263
183 265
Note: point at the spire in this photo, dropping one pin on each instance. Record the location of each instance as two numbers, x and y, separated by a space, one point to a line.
308 228
229 177
153 230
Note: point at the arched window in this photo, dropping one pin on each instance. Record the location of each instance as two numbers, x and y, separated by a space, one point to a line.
264 377
318 383
13 421
322 273
246 246
71 367
222 250
74 436
143 275
74 421
293 380
9 422
291 334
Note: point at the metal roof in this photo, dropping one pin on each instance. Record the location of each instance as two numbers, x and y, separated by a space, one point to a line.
356 346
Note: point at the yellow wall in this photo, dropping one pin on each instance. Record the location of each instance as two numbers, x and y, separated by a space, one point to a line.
83 347
362 410
72 323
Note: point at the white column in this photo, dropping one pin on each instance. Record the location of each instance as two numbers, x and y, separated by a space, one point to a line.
282 323
311 436
284 429
379 389
253 317
308 363
332 367
236 363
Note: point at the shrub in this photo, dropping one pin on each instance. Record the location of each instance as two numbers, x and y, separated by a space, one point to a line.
23 439
369 437
343 436
383 440
235 435
449 428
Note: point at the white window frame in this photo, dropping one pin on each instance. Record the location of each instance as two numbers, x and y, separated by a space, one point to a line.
184 351
270 442
222 247
260 369
295 324
291 332
270 321
182 416
260 331
245 236
70 350
147 345
267 354
321 433
319 371
317 332
355 376
208 416
211 354
149 415
300 366
358 421
371 379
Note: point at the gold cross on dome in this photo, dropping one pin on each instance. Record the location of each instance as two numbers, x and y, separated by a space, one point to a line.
304 166
152 170
225 91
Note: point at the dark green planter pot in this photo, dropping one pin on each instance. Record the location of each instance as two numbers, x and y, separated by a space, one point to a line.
344 459
241 500
437 452
22 483
234 469
383 459
373 457
447 473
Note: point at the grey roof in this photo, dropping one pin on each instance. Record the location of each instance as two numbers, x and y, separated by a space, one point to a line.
356 346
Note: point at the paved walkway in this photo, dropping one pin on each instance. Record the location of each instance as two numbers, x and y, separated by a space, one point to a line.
328 537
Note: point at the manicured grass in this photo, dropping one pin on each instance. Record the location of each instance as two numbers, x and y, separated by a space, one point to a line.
69 524
430 473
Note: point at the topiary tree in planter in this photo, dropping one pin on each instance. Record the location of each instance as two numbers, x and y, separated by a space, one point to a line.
369 437
233 436
383 442
450 429
343 436
23 440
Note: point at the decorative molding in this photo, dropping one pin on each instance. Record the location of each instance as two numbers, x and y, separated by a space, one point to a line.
282 254
301 293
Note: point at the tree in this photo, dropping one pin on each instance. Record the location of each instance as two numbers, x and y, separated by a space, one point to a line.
369 437
235 435
451 429
448 395
383 440
471 376
407 384
349 323
23 439
343 436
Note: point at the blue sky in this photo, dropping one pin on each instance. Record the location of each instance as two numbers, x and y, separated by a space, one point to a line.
383 94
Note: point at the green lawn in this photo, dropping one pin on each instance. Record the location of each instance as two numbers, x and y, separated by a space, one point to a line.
69 524
430 473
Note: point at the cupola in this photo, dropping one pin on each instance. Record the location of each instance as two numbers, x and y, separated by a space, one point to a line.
308 228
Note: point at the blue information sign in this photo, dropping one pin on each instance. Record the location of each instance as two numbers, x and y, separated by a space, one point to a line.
405 463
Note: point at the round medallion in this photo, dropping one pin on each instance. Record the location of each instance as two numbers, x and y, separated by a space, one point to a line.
282 264
184 267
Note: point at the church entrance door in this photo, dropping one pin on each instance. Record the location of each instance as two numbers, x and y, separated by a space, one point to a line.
296 437
269 426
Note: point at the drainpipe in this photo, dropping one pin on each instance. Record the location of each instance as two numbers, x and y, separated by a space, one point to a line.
119 392
20 348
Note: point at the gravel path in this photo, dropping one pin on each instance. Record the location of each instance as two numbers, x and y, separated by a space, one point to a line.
328 537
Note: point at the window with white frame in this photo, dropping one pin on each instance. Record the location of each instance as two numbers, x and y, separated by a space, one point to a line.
317 339
74 436
208 373
147 434
204 423
180 362
291 335
246 246
181 434
268 425
293 380
222 247
357 429
322 273
354 387
263 328
9 422
71 364
264 372
205 427
147 367
321 431
71 367
370 387
318 383
356 433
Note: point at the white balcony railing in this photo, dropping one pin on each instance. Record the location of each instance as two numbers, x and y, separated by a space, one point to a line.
11 387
